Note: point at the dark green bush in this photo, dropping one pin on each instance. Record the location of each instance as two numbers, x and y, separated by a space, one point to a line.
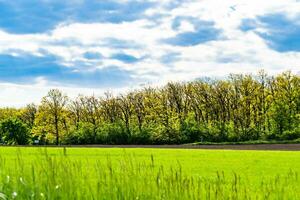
14 131
291 135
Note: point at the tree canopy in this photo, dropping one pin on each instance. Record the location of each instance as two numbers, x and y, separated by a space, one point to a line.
238 108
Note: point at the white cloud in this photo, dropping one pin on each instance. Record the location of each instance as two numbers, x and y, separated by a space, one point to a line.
244 52
15 95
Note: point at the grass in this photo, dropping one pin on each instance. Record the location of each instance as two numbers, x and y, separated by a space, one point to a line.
91 173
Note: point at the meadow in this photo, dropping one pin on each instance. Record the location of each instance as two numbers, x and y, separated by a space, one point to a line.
116 173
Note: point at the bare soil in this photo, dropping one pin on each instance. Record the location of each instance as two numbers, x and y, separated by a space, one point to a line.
276 147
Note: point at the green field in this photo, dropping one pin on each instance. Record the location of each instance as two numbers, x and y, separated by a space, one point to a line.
94 173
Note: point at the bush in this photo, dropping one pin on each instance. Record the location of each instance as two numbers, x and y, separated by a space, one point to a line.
113 134
85 133
250 134
140 137
291 135
14 131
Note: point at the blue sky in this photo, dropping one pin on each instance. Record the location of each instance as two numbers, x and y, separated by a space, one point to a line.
90 46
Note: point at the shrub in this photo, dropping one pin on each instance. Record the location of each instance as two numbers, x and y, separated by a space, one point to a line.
112 133
14 131
291 134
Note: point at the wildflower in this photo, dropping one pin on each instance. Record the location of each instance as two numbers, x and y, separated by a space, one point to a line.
14 194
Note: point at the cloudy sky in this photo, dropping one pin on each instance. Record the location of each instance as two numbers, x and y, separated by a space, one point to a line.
90 46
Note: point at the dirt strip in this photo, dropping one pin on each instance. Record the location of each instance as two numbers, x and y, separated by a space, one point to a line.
279 147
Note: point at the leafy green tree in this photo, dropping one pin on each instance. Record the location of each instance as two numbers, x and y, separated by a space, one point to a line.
14 131
239 108
53 108
28 114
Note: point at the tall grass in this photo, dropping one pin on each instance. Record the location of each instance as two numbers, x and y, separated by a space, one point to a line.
50 176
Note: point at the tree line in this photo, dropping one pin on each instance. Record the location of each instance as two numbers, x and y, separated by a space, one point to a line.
241 107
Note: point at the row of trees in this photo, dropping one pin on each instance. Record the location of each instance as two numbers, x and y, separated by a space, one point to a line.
239 108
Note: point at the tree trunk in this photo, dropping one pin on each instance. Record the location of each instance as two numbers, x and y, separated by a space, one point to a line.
56 130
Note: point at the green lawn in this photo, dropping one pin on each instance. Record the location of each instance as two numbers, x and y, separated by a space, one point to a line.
87 173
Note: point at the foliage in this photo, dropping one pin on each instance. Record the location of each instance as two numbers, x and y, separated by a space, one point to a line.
239 108
14 131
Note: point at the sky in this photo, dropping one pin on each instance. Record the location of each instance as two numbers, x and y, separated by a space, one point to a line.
93 46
